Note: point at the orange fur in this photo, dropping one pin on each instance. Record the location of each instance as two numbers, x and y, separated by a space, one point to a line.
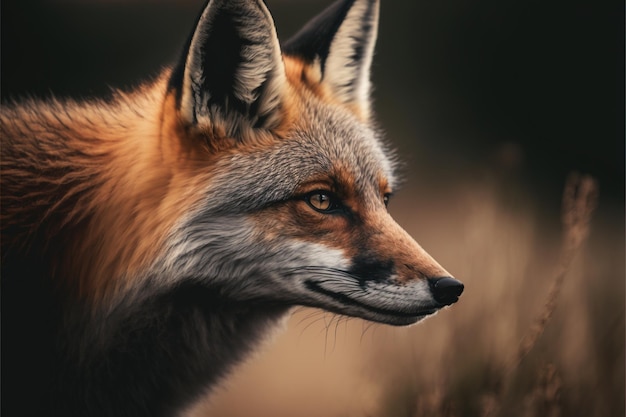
307 79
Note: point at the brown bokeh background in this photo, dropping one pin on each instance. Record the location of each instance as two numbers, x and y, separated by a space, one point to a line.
490 105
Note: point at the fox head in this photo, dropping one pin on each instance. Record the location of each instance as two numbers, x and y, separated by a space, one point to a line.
148 241
295 179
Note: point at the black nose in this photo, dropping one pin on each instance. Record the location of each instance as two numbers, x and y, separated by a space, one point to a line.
445 290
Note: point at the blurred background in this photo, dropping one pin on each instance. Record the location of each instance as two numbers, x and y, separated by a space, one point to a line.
490 105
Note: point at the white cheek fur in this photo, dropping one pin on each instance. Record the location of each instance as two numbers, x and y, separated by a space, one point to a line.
232 254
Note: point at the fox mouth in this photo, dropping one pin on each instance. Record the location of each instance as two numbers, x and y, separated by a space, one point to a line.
391 316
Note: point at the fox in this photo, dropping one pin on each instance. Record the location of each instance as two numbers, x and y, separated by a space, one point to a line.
152 240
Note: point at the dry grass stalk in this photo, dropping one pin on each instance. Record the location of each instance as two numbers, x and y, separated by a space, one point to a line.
579 201
544 399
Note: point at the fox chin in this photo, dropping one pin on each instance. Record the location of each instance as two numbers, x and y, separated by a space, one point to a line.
151 240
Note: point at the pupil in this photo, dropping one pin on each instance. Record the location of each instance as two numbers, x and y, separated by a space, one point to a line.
321 201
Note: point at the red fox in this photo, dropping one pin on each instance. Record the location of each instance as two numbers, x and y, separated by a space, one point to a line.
150 241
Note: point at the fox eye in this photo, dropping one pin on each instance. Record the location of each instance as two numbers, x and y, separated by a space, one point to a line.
322 201
386 198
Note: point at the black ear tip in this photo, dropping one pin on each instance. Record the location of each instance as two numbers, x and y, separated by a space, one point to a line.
314 39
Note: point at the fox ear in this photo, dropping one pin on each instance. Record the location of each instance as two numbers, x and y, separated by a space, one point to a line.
232 75
340 41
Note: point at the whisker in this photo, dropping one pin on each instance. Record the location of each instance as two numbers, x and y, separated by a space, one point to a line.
310 314
335 320
326 327
319 315
366 325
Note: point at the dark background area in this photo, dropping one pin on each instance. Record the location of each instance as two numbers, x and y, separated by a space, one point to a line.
539 84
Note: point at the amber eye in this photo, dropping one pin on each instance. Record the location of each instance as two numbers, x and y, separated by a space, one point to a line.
386 198
322 201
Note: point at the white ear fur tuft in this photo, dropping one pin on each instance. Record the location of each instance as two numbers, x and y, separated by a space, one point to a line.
349 61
